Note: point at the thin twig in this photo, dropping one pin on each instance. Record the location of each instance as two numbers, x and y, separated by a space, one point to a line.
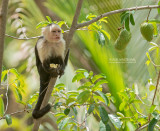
22 38
149 117
148 14
17 112
142 127
85 119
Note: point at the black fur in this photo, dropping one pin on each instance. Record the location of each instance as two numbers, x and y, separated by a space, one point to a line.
45 75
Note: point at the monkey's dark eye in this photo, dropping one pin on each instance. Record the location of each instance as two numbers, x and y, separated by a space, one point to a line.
59 31
54 31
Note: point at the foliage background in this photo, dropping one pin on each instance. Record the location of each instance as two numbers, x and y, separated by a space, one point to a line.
85 50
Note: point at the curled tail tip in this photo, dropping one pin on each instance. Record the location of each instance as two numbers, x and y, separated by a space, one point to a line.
36 114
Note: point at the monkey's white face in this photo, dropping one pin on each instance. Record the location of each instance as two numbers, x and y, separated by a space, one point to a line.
54 35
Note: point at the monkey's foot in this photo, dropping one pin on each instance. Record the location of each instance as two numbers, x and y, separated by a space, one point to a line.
39 113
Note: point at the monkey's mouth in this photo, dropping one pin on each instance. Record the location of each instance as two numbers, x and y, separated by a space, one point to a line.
57 38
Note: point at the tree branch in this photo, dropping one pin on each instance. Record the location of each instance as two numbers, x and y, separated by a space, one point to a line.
53 80
115 12
3 18
74 24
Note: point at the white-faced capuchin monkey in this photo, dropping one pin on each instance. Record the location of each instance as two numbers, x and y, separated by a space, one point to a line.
50 62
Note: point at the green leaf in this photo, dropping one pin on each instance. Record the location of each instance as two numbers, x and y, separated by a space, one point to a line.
63 123
83 87
74 110
81 71
132 19
33 98
60 23
127 24
4 75
158 8
91 108
124 16
120 114
152 108
57 104
8 119
115 120
86 74
49 19
60 118
78 77
101 82
104 97
154 44
155 31
122 105
83 97
101 38
148 56
96 77
154 20
19 94
152 124
152 48
29 106
1 107
152 87
103 115
66 111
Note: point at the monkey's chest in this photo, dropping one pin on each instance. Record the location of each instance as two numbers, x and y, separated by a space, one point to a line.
51 51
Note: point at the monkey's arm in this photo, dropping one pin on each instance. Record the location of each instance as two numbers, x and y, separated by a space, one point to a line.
62 67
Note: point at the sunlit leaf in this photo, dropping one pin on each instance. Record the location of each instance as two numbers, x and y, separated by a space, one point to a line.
60 118
152 108
81 71
151 87
154 20
4 75
152 48
101 82
1 107
83 87
120 114
60 23
78 77
158 8
96 77
49 19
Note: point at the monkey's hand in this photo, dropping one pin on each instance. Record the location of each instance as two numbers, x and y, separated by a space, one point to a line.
54 72
60 71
